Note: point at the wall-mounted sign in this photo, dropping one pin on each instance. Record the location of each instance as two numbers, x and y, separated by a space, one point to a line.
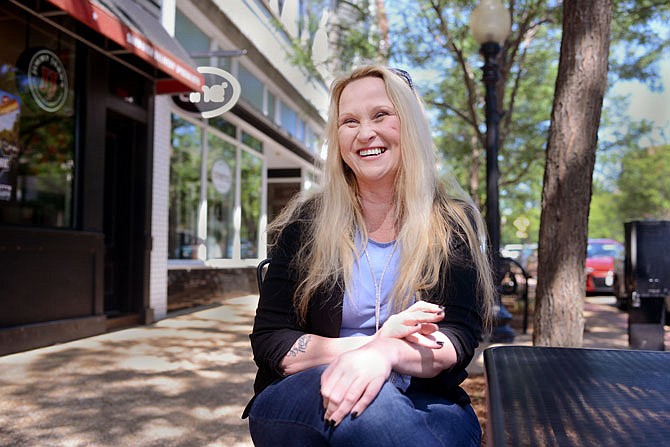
46 78
222 176
219 94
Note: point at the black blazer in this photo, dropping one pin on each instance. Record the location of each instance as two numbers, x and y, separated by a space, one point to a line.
276 327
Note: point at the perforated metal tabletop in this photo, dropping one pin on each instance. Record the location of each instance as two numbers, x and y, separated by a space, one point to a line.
541 396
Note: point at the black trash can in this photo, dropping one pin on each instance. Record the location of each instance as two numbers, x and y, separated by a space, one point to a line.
647 278
646 321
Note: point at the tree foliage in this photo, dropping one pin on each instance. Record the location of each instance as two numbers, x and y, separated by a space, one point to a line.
432 39
644 185
641 37
527 72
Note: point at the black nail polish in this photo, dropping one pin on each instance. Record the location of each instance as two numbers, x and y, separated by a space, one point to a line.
331 423
354 415
441 343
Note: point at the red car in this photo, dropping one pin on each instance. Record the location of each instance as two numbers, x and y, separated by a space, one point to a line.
601 257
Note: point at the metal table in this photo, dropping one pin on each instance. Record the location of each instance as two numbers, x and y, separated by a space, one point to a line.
541 396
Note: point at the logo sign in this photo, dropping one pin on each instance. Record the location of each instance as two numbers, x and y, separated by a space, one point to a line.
219 94
47 80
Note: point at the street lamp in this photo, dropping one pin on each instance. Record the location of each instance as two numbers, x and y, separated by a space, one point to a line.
490 24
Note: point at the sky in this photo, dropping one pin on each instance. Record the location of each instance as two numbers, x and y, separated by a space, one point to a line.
653 106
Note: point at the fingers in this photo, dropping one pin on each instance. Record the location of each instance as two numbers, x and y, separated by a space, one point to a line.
354 402
427 341
428 328
367 397
425 306
341 404
423 312
352 381
415 319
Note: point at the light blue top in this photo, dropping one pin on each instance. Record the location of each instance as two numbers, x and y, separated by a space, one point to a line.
358 309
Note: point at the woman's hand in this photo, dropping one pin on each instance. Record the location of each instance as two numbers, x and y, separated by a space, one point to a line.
354 379
416 324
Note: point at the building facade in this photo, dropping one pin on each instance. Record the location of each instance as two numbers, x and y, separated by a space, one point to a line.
267 148
119 201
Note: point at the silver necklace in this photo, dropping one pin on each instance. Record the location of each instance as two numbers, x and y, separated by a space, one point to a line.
378 286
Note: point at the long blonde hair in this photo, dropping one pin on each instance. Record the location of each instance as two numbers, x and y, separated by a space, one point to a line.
429 214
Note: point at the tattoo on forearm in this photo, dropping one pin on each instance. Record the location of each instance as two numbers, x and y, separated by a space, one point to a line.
299 346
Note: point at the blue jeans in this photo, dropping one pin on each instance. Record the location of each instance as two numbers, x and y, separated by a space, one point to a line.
289 413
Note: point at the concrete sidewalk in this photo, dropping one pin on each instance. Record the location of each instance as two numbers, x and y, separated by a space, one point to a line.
183 381
605 326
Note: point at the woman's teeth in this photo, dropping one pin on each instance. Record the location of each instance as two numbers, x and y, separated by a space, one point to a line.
369 152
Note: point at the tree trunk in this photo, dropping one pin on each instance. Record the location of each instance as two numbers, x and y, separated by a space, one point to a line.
383 25
571 153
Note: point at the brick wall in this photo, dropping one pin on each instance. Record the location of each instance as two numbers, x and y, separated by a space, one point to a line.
198 287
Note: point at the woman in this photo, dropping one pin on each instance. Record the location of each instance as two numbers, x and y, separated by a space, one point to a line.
378 289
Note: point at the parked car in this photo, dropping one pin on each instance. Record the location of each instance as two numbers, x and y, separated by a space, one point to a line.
602 256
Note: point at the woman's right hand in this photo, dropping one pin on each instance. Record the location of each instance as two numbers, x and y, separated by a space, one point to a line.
352 381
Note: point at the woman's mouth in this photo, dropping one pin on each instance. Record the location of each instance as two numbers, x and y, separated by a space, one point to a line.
371 152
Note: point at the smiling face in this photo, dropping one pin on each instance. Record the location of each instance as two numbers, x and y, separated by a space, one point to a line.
369 132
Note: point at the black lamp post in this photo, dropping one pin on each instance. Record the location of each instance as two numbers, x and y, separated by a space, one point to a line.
490 24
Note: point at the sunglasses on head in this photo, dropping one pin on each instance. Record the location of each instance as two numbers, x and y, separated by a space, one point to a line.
404 75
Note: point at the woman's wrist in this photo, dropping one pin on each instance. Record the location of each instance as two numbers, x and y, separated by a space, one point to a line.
389 346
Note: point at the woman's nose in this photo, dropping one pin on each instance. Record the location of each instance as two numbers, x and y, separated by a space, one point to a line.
366 131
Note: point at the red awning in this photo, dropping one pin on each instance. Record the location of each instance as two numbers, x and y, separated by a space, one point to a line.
141 34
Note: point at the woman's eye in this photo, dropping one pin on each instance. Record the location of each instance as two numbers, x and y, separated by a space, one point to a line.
380 115
348 122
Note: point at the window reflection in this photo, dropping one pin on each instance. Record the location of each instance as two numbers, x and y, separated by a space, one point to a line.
252 171
220 198
37 100
185 163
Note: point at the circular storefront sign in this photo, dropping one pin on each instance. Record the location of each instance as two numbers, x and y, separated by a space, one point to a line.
47 80
219 95
222 177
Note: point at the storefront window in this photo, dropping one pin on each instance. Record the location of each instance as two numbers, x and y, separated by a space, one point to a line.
252 88
220 198
224 126
311 139
252 142
185 165
271 104
301 130
37 100
192 39
252 172
289 119
223 196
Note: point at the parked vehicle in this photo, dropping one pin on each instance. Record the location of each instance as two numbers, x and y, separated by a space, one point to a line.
602 255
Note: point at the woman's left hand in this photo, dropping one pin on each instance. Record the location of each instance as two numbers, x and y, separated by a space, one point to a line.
353 380
416 324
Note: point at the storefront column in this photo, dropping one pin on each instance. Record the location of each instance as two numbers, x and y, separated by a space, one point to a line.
160 208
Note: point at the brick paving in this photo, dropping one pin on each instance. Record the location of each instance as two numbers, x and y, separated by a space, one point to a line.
180 382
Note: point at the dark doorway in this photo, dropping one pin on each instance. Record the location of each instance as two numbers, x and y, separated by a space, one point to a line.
124 201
